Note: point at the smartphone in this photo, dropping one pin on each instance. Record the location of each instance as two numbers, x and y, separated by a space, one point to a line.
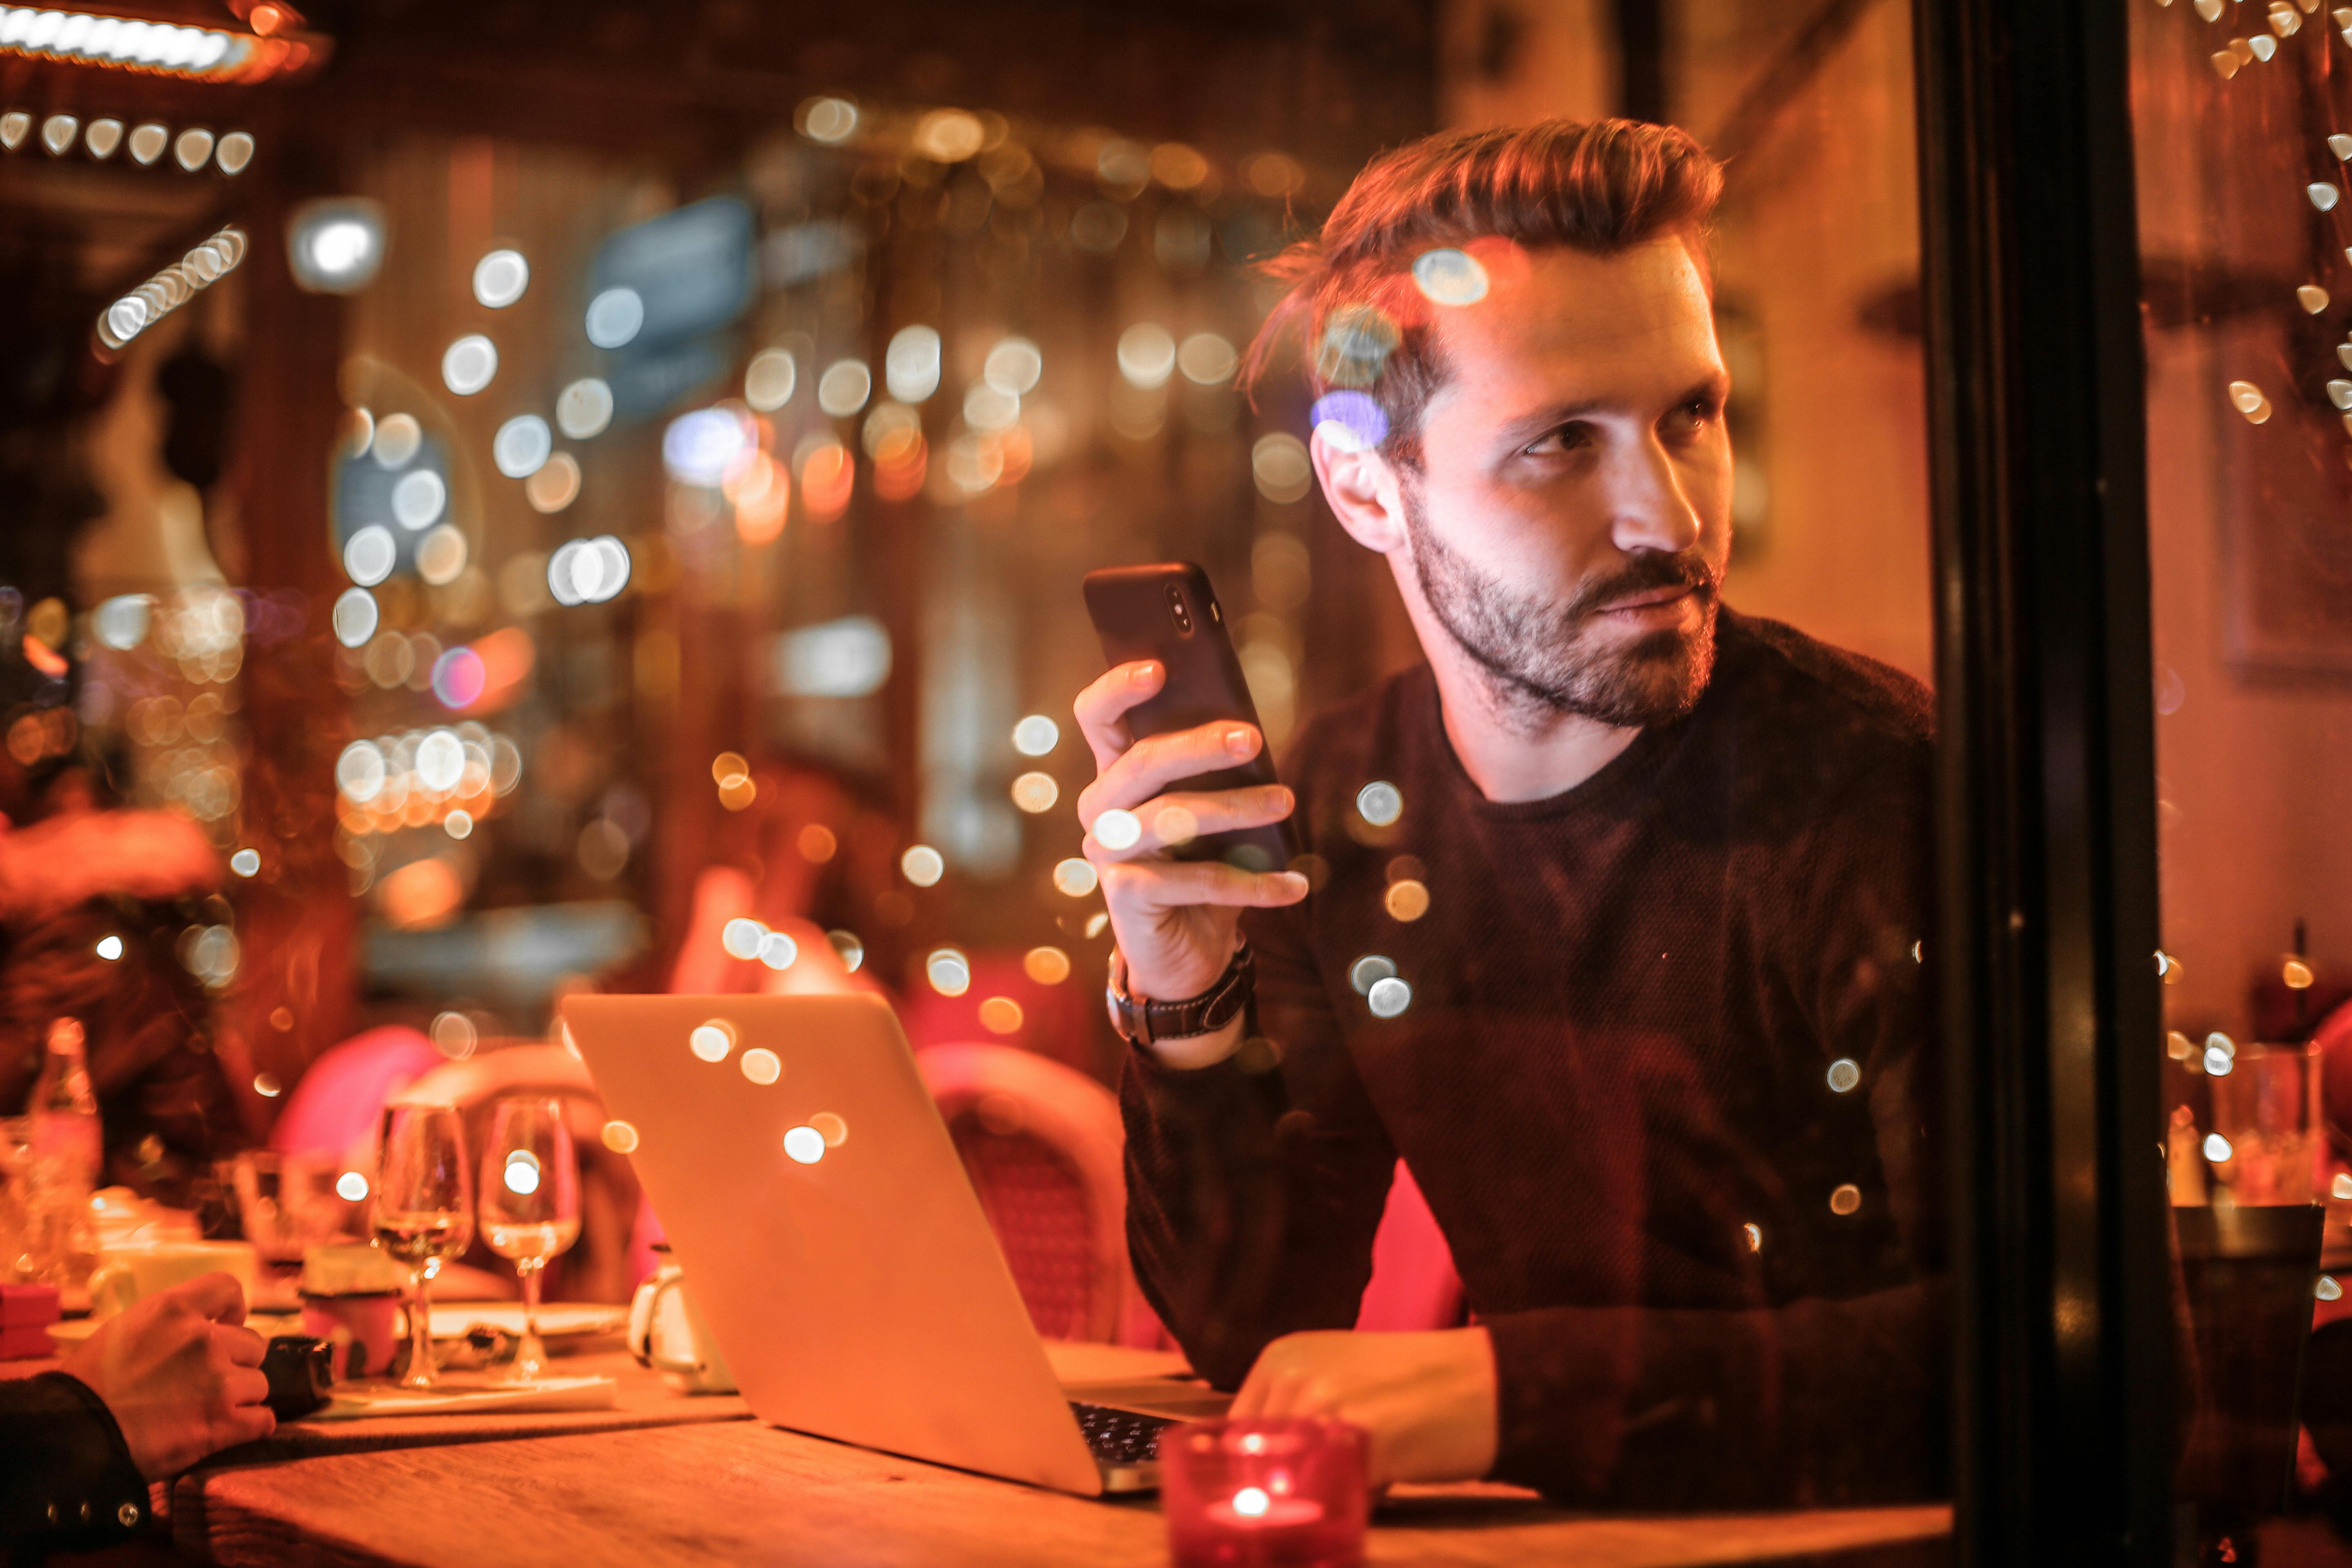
1169 613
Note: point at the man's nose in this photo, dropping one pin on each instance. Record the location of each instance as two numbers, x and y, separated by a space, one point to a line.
1650 508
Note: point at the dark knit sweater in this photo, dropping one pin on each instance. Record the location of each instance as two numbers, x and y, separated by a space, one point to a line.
1629 1005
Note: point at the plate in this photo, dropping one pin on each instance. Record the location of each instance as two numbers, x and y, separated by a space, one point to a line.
458 1396
557 1321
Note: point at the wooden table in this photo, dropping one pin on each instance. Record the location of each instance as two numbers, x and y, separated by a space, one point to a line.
741 1493
663 1478
613 1490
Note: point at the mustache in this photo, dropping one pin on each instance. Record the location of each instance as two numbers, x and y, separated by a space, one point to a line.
1646 573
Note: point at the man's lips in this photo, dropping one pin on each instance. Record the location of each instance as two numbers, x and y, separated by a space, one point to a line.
1649 599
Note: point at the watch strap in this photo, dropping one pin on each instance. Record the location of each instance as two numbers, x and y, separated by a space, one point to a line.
1140 1020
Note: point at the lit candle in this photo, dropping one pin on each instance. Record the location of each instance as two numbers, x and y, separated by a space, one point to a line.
1264 1494
1256 1510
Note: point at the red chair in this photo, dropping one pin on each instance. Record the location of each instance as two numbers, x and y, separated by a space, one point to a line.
1044 1146
1413 1285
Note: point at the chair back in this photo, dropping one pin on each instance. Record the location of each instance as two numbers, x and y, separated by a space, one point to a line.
1044 1144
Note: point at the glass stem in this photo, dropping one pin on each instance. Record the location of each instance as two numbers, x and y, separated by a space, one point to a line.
531 1356
420 1334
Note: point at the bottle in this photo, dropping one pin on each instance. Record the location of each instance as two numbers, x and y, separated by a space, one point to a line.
66 1135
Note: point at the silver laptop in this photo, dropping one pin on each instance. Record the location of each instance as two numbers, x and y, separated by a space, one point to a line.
835 1245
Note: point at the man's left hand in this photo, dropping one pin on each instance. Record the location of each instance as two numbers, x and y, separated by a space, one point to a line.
1427 1399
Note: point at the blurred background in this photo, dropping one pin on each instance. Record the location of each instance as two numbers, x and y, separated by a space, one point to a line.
580 466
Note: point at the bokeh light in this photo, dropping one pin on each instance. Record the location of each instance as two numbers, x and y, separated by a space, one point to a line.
769 380
441 555
1035 792
830 121
1379 803
1074 878
522 446
704 446
1012 366
1036 735
584 408
555 486
419 499
1047 965
761 1065
741 937
588 571
1349 421
1449 277
843 387
470 364
1207 360
369 555
355 617
922 865
458 677
911 366
949 972
805 1145
1280 464
1000 1015
501 278
1147 354
614 318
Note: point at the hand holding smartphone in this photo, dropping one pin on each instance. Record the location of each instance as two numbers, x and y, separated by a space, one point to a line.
1177 746
1169 615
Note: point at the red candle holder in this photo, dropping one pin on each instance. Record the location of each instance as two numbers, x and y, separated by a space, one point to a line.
1266 1494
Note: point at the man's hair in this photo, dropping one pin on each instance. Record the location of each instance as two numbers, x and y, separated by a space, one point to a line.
1600 187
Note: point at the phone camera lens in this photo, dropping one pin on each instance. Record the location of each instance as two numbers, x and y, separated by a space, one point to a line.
1176 609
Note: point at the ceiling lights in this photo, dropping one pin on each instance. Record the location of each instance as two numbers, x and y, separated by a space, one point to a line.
165 48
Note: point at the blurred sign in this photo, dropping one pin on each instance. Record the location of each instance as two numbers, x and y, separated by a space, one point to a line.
690 269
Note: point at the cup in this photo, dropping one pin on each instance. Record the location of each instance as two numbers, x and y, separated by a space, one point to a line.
1243 1494
129 1275
2266 1116
667 1332
361 1331
287 1203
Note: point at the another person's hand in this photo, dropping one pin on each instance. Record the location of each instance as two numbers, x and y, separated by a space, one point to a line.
1427 1399
1173 919
181 1374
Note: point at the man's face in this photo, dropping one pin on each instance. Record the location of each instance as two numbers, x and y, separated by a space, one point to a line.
1571 517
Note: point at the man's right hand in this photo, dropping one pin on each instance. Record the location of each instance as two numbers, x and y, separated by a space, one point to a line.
1174 920
181 1374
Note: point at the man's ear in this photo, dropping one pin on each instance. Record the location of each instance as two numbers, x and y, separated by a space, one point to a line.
1364 491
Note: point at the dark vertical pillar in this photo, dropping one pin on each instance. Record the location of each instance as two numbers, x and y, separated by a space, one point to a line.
1641 59
2049 922
297 919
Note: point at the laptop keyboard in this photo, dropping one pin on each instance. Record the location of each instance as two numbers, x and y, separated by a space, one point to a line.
1120 1437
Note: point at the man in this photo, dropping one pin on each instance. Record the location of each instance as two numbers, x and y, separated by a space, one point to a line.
174 1378
1649 1028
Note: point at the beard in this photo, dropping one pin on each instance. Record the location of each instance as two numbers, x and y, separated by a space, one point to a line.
1550 655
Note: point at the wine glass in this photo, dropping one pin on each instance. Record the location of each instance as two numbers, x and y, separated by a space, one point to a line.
530 1205
423 1210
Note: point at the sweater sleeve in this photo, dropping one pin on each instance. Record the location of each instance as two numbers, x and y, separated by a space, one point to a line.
1254 1186
66 1479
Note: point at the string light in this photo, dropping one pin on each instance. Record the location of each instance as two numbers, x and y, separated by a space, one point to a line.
174 287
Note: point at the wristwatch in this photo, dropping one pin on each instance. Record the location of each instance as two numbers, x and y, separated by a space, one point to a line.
1140 1020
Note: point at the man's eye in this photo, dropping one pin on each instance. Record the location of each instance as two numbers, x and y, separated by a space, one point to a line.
1567 438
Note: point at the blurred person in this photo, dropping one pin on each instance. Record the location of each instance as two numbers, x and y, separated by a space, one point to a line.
1650 1029
172 1380
73 870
